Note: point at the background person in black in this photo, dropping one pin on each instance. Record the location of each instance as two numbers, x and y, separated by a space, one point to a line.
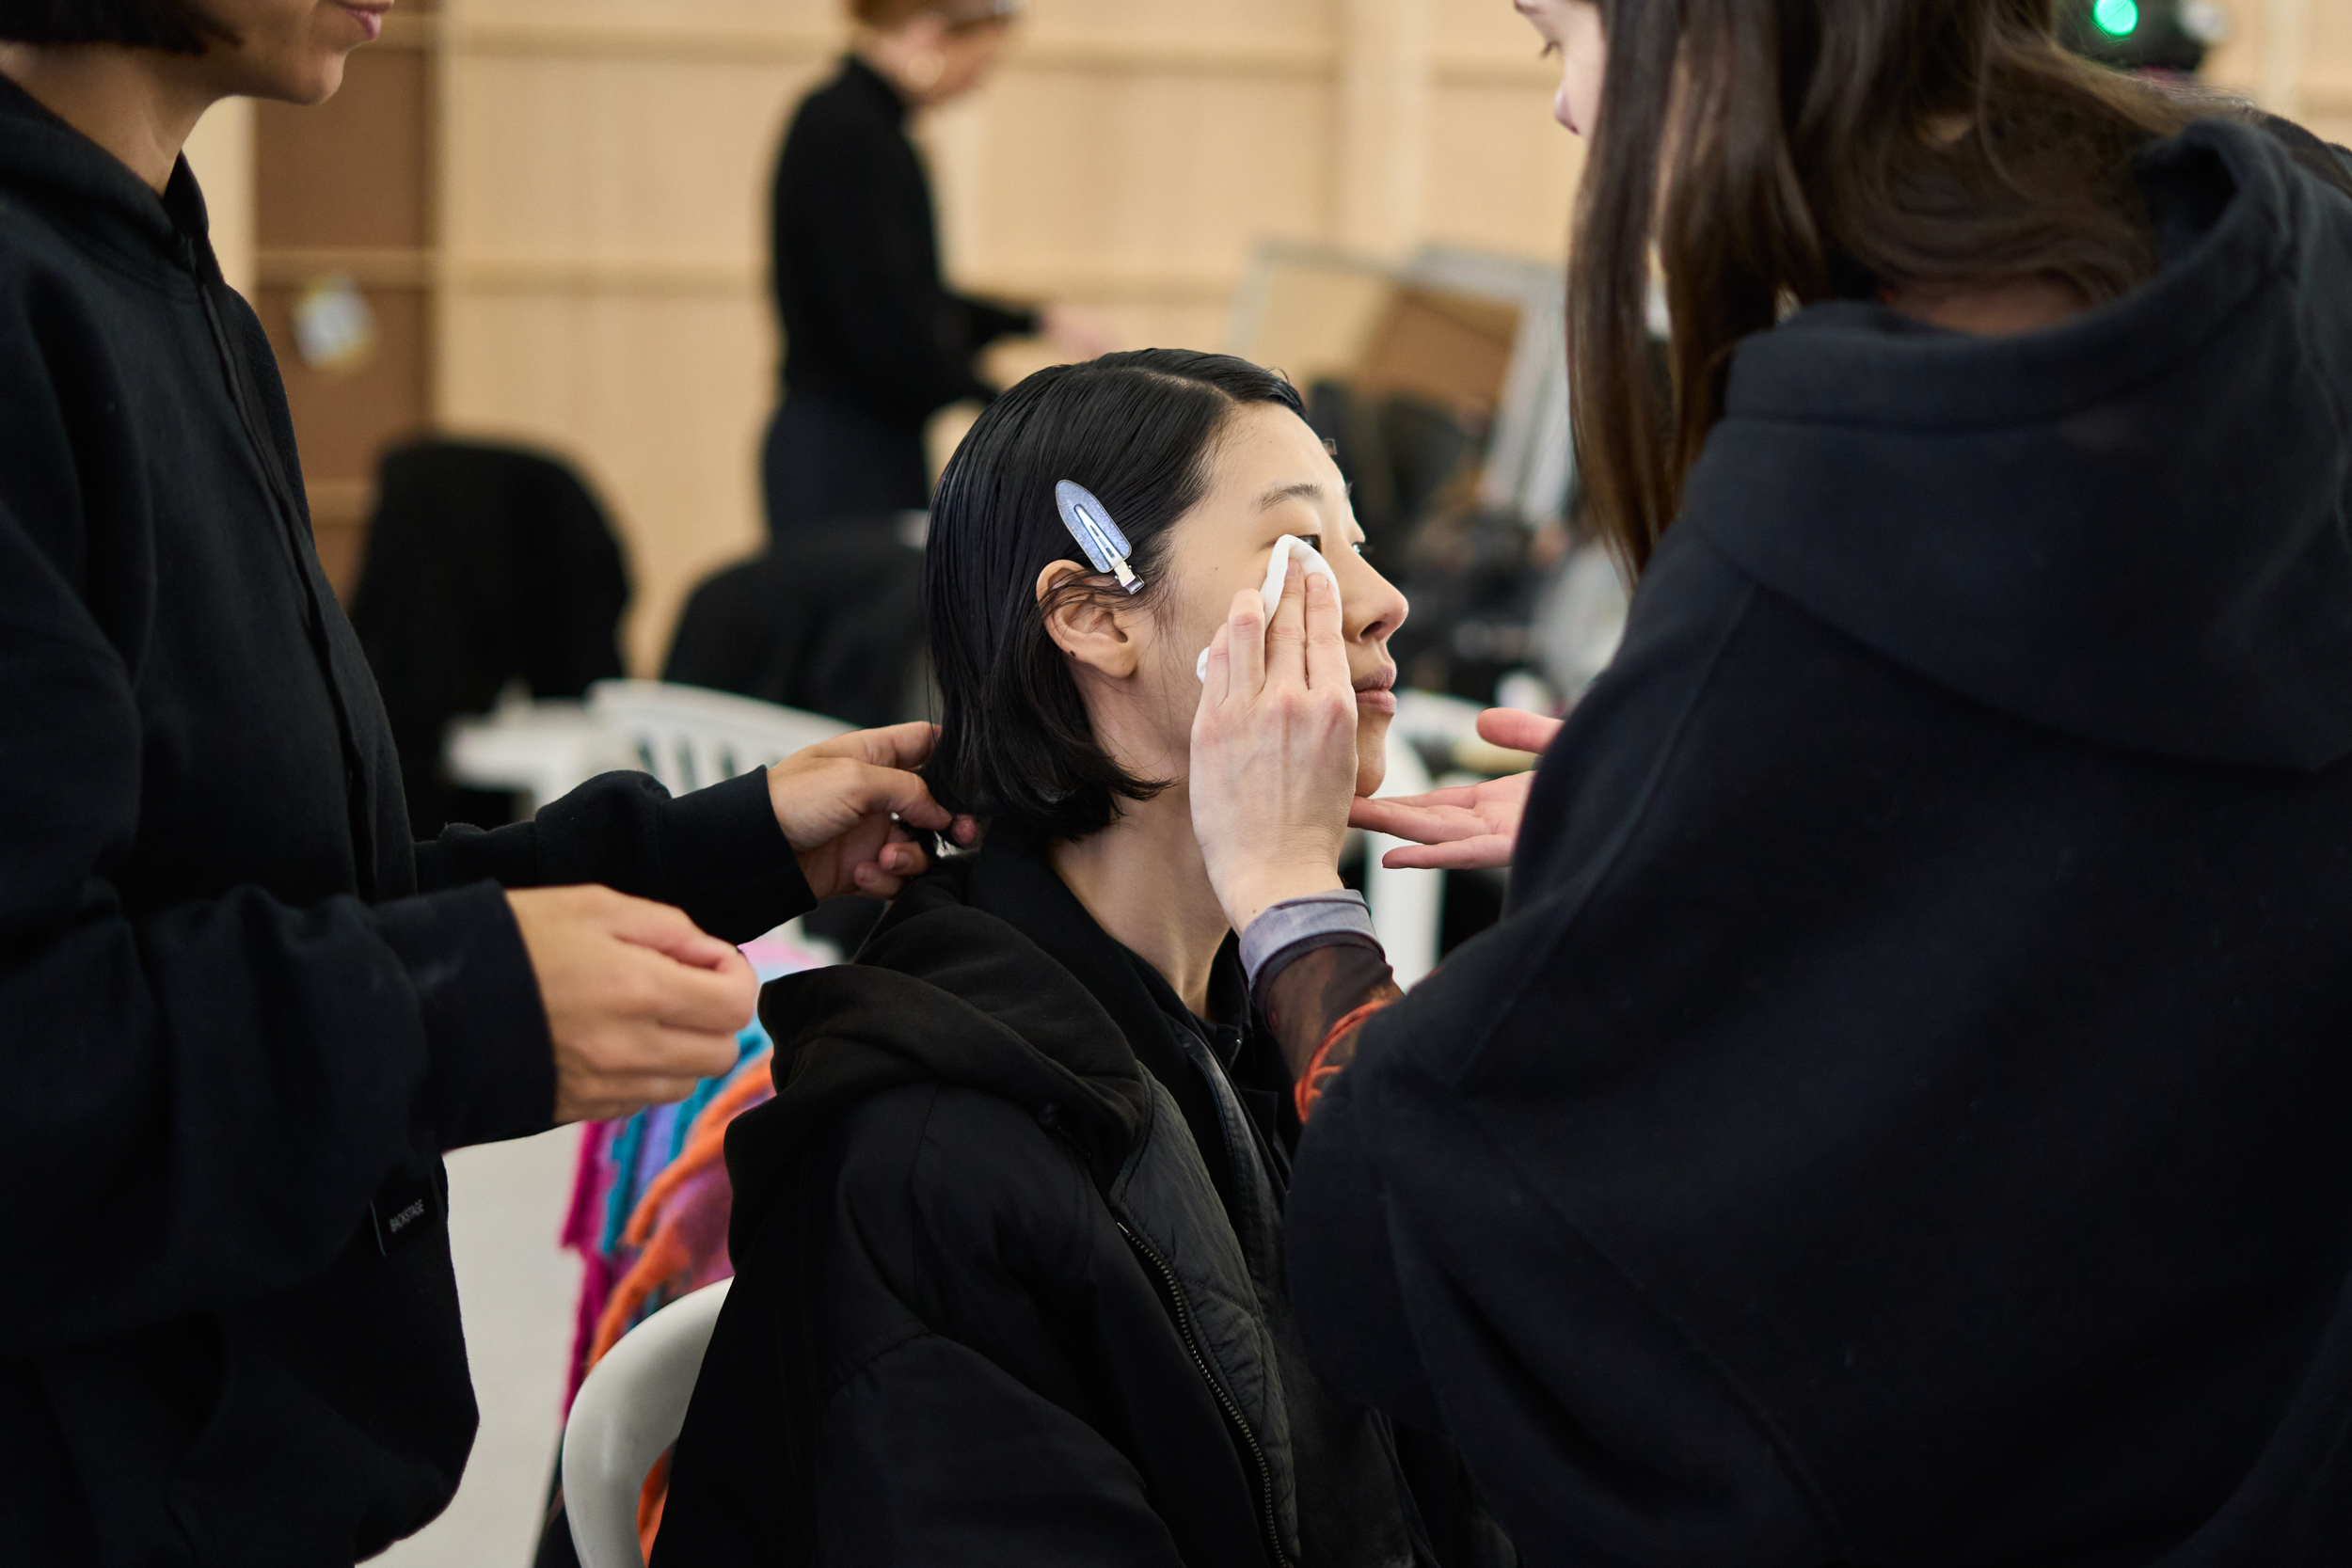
1905 1114
1026 1156
241 1014
874 342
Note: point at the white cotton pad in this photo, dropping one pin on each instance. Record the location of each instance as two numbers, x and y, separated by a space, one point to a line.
1270 591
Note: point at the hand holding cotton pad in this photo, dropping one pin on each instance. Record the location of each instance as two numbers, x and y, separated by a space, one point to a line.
1270 592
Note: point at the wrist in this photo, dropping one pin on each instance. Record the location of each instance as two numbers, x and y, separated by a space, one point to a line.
1249 897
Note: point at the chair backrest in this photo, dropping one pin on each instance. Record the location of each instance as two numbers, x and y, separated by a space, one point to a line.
631 1408
1407 906
690 739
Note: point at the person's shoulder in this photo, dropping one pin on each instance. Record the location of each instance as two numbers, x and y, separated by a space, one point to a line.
2324 160
845 104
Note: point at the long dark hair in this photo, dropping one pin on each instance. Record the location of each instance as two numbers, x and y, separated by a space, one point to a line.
1812 149
1136 428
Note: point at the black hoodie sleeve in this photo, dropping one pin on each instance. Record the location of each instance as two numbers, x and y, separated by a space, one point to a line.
203 1100
717 853
204 1089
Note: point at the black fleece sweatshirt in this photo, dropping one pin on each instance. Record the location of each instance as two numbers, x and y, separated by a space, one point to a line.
241 1016
867 322
1906 1115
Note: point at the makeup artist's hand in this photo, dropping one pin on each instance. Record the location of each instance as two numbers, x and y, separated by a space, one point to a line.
1469 827
835 801
1274 749
640 1004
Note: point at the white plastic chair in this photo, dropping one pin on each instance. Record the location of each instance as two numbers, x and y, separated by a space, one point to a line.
630 1409
1407 906
689 737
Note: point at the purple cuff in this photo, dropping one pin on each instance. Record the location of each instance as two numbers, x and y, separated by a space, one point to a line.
1297 926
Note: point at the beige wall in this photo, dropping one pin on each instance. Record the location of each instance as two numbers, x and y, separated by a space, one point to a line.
605 166
221 154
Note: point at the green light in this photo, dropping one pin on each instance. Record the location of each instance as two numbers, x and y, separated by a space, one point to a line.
2117 17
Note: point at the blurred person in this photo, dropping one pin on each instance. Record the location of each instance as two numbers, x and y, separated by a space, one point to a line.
241 1015
1008 1240
874 342
1906 1114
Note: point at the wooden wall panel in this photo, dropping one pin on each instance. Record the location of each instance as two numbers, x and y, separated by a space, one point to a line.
2324 89
355 170
1083 183
1502 174
659 400
589 158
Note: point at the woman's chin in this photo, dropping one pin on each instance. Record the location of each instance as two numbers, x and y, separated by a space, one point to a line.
1371 752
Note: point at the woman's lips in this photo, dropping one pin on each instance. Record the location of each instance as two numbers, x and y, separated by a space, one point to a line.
370 19
1374 693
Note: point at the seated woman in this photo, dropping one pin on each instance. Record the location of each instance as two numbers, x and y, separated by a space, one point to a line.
1009 1239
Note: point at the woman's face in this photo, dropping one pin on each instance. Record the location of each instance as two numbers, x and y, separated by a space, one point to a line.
1571 29
1269 475
288 50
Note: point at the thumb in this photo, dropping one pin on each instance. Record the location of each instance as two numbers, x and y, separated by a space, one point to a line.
907 744
896 790
1517 728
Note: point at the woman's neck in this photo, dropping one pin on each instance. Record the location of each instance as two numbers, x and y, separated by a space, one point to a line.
140 105
1143 881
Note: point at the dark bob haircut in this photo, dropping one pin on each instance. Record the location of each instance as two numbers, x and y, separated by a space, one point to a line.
1139 430
174 25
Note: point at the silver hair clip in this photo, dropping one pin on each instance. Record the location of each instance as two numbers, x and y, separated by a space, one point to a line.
1089 523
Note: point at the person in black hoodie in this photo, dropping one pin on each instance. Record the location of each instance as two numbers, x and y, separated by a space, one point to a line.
874 342
1905 1116
1009 1241
241 1015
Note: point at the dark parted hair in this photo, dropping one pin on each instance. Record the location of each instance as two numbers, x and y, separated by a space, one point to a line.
1139 430
167 25
1782 152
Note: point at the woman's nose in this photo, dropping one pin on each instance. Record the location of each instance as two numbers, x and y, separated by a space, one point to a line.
1371 607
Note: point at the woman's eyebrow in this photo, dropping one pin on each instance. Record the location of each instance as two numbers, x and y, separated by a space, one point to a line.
1306 489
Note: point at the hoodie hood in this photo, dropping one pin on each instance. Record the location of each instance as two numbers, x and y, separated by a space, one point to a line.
941 992
78 181
2129 527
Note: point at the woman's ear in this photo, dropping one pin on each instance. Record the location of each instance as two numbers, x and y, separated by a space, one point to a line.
1090 627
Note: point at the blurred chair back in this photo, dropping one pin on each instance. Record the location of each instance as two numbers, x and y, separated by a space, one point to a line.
827 619
690 739
486 564
630 1409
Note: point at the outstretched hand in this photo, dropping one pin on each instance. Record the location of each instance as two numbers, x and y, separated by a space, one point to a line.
847 807
1469 827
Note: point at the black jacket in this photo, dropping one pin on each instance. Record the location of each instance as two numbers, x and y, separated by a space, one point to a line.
1009 1259
866 321
486 564
235 1038
1906 1115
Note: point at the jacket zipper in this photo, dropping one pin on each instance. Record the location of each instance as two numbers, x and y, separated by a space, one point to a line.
1185 1331
356 821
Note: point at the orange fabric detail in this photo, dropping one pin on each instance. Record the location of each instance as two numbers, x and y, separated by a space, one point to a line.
651 1498
705 1142
664 1256
1319 1072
